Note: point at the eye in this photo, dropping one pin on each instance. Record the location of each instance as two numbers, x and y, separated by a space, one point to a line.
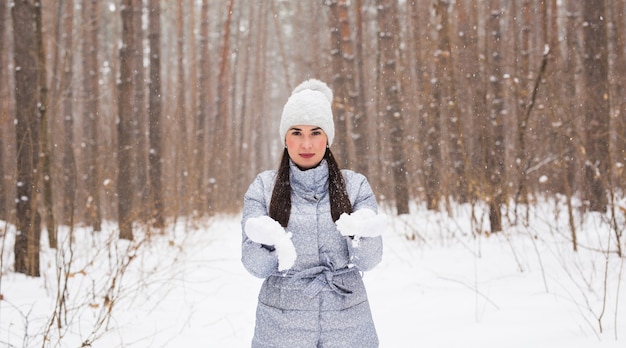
295 132
316 132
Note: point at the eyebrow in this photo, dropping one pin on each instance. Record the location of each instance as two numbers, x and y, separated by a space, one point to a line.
298 129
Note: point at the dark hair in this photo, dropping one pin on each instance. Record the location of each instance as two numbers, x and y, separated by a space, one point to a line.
280 205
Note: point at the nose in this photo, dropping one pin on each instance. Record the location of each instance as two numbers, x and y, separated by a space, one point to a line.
307 143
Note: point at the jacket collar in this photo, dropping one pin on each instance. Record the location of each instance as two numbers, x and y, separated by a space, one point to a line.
313 180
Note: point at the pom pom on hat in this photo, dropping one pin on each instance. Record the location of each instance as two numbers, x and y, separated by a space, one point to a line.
315 85
310 105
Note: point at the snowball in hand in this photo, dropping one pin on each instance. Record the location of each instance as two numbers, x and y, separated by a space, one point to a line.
362 223
267 231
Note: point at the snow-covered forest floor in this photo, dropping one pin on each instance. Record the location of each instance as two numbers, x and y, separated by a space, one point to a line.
442 283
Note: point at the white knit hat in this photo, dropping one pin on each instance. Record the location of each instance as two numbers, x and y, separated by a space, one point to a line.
309 105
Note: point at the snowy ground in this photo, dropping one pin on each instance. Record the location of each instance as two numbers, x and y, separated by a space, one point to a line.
446 288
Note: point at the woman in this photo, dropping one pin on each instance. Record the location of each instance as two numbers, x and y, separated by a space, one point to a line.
309 229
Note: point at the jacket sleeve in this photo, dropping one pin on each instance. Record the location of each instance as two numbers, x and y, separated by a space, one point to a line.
259 260
365 252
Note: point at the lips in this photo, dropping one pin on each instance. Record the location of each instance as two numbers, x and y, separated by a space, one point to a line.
307 155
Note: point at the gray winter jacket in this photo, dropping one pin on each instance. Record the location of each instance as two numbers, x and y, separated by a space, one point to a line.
321 301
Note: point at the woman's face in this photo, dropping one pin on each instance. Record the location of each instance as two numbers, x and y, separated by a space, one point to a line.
306 145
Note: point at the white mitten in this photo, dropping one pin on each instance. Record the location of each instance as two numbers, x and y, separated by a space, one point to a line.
265 230
362 223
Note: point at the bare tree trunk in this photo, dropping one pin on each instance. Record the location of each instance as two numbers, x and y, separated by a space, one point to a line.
428 124
3 27
555 93
495 151
237 119
349 85
140 177
479 126
222 142
155 155
566 147
342 75
572 64
388 39
124 125
596 104
523 99
526 97
194 97
204 110
360 122
27 126
246 119
67 96
93 215
456 143
258 98
4 208
45 169
470 90
182 141
619 127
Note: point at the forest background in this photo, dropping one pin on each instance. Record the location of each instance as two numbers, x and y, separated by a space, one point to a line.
142 112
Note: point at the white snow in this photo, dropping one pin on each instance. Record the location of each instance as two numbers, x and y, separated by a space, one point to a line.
439 285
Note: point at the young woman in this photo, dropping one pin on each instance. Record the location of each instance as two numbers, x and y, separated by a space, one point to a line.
310 229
